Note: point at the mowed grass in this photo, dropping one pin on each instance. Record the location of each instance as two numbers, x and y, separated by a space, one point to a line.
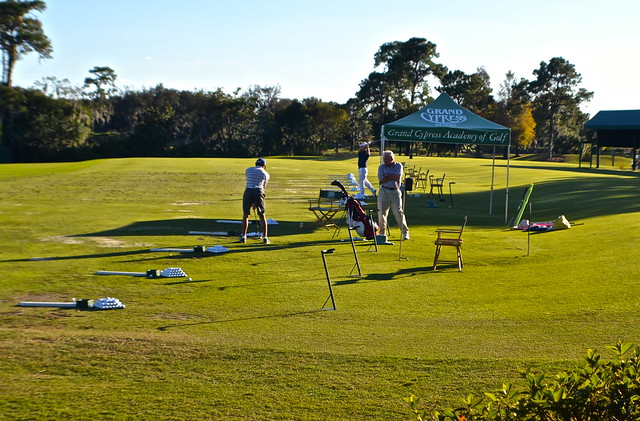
247 338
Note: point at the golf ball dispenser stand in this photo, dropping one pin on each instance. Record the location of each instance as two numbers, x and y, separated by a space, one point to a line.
326 271
408 186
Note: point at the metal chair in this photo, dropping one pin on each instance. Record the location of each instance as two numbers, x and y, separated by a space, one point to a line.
437 184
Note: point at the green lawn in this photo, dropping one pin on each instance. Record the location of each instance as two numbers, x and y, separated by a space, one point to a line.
247 338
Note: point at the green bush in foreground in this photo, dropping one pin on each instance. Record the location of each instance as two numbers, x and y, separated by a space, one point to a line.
595 390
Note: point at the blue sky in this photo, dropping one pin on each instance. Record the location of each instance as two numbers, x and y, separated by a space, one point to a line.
324 49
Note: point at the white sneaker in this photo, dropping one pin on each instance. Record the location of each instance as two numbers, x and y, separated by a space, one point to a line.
406 236
266 240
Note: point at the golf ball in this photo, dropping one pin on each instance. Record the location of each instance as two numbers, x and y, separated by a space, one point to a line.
190 279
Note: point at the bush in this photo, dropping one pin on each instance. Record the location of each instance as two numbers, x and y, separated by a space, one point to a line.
596 390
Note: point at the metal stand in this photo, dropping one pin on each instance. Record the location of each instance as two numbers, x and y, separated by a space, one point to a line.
529 232
355 255
451 194
326 271
375 242
408 185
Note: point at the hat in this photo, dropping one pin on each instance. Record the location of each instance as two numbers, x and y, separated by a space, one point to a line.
261 162
364 144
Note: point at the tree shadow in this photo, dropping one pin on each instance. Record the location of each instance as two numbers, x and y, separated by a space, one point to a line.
577 198
182 227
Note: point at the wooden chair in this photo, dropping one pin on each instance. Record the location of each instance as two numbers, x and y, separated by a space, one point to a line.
325 207
451 238
437 184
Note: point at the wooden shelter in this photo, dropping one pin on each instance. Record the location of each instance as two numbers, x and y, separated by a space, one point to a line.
616 129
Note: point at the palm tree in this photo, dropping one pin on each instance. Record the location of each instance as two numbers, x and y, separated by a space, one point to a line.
21 33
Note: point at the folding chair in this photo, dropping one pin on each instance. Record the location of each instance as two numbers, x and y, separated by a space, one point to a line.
421 180
325 207
452 238
437 184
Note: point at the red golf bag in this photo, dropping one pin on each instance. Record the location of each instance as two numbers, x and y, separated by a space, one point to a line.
356 216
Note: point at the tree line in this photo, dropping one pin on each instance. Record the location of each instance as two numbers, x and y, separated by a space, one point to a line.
54 120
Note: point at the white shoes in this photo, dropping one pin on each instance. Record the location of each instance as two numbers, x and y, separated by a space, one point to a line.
406 236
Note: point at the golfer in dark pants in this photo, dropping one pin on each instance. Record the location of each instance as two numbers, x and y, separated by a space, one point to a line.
257 179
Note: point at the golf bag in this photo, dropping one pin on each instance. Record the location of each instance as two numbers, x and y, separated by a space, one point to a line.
356 216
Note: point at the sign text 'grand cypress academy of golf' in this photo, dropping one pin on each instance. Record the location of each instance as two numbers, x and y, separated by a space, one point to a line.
444 121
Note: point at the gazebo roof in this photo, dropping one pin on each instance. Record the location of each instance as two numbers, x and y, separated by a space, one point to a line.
615 120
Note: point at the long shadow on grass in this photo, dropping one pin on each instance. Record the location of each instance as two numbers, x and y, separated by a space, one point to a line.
184 255
591 193
242 319
81 256
585 196
387 276
191 227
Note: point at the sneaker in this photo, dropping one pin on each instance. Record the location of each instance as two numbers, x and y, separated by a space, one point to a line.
243 239
406 236
266 240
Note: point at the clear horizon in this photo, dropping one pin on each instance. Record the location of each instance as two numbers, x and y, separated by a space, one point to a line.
325 50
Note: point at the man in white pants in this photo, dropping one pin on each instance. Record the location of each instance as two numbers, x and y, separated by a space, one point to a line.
390 196
363 157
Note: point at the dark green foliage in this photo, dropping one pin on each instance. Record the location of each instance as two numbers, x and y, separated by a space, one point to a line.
595 390
40 128
168 122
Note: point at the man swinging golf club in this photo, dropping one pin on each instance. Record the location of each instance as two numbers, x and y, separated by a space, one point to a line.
257 179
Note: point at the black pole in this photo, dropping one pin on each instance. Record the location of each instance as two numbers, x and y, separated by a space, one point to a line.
355 254
529 231
326 271
451 194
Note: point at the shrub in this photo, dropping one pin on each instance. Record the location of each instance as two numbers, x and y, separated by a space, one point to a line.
596 390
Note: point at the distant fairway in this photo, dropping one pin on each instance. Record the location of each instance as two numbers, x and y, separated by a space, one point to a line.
246 339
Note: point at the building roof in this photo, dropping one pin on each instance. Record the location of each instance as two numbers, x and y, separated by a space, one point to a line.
615 120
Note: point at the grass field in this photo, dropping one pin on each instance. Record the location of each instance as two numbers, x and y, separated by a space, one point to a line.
247 338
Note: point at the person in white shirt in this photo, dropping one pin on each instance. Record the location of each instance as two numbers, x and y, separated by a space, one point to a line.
363 157
257 179
389 195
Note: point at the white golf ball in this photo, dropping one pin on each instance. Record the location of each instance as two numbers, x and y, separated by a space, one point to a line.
190 279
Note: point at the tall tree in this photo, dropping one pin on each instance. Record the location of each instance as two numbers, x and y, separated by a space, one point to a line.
515 111
470 91
104 83
401 83
556 93
21 33
407 66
